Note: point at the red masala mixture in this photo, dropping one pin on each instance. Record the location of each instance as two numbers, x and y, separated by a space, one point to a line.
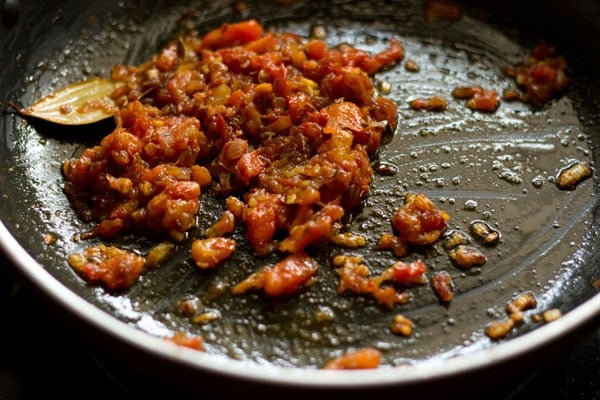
279 126
282 128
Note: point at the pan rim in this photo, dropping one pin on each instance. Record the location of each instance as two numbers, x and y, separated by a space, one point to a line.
584 314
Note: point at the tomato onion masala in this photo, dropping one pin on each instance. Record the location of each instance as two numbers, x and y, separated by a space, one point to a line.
283 129
279 126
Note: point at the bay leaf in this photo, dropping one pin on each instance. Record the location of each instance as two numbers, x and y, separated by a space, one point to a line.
79 103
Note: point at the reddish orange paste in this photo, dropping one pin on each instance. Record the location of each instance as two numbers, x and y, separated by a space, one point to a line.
281 126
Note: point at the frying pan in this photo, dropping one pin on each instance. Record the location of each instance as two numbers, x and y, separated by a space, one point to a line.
496 167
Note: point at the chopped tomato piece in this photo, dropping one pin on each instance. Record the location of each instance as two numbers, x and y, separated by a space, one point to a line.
367 358
232 34
442 286
406 273
182 339
209 253
418 221
116 268
285 278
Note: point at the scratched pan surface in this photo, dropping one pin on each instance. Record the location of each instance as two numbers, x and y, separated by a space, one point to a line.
497 167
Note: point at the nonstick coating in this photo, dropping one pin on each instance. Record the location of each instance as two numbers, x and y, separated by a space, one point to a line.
494 167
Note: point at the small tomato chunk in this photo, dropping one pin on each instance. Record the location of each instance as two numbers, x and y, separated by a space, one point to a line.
442 286
418 221
485 100
232 34
412 273
208 253
289 275
367 358
479 99
285 278
317 227
182 339
116 268
434 103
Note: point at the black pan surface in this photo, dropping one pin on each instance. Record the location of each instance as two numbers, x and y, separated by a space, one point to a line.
497 167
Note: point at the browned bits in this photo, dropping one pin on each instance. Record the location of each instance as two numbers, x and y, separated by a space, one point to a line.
454 238
50 238
349 239
596 284
437 103
434 103
484 232
324 314
412 66
255 281
367 358
523 302
511 95
206 317
158 254
537 318
341 260
442 286
401 325
467 257
384 87
465 92
515 310
499 329
570 176
209 253
388 241
188 306
551 315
